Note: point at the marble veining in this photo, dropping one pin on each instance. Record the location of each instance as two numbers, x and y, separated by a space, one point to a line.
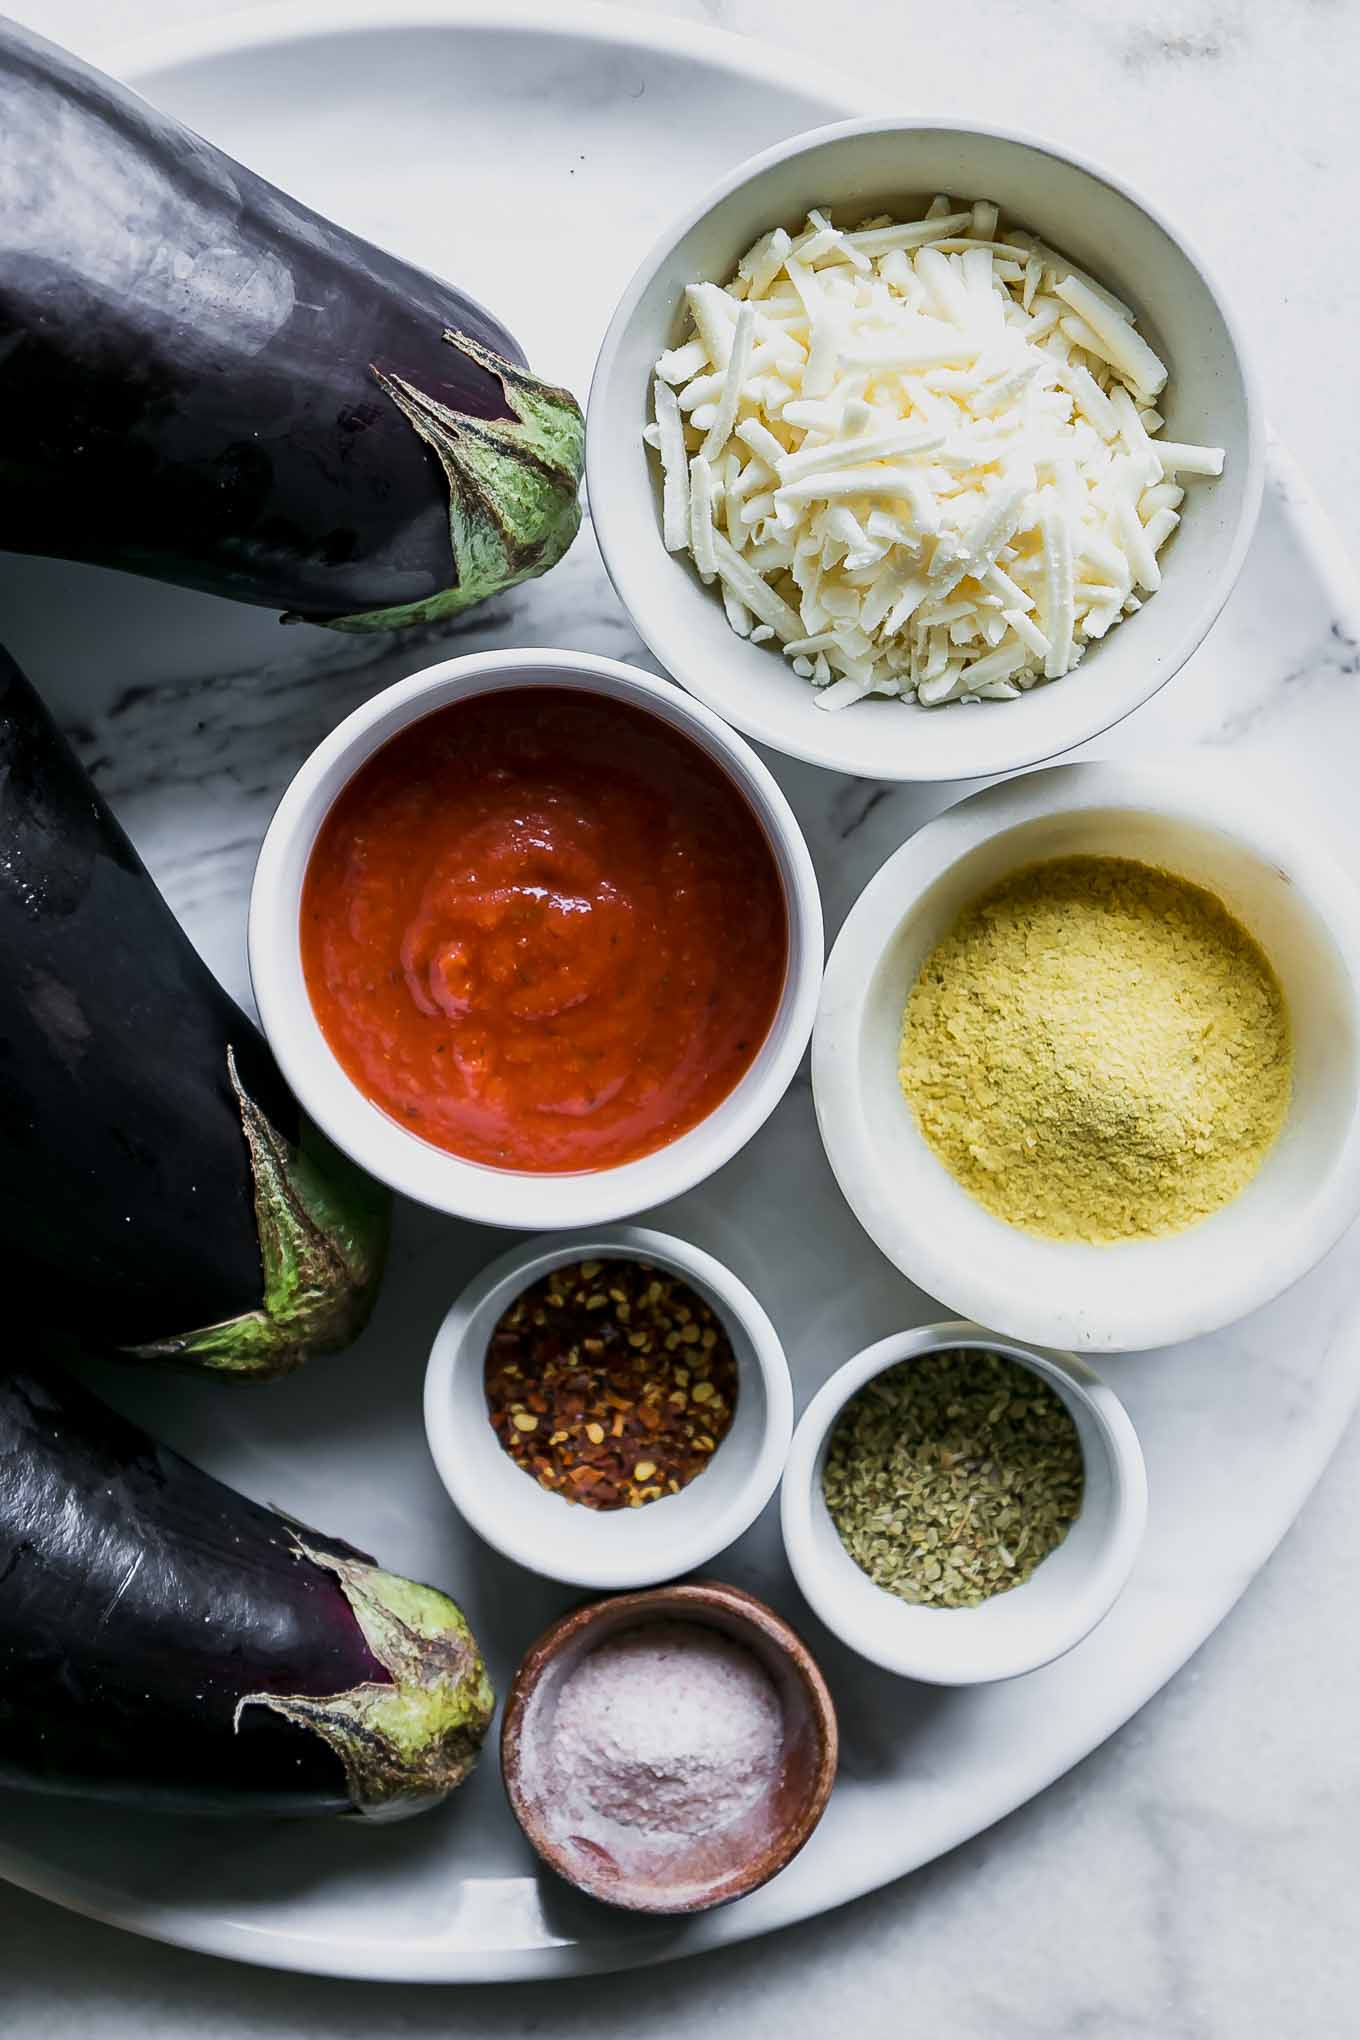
1144 47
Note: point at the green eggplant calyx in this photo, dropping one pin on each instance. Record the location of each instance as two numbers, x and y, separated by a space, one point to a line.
404 1746
322 1226
513 486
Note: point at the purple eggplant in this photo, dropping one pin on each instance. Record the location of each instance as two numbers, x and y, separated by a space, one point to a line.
206 382
158 1183
166 1642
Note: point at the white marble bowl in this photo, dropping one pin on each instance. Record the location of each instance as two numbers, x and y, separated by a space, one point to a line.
1072 1590
866 166
617 1548
390 1151
1219 827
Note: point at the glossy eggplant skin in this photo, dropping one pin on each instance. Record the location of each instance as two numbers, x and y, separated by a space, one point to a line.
166 1642
151 1155
206 382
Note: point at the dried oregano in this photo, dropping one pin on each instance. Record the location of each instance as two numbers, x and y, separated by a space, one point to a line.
950 1477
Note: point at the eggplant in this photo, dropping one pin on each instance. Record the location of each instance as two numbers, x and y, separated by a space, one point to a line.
166 1642
206 382
160 1188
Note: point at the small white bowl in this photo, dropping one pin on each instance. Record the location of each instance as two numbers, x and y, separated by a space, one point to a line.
1218 827
859 168
1067 1595
391 1152
616 1548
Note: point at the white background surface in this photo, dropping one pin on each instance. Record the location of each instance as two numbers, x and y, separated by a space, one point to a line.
1197 1877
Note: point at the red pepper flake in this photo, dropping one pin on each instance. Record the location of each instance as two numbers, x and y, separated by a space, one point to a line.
628 1377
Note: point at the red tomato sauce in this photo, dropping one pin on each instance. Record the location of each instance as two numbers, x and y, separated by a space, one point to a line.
543 930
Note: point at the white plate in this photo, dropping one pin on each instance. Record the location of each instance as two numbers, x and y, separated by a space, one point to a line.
442 137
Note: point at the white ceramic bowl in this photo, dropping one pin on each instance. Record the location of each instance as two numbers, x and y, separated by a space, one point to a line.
393 1153
862 167
1063 1600
618 1548
1218 827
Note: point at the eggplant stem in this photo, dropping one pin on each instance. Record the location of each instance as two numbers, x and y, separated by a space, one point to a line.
513 486
323 1227
406 1745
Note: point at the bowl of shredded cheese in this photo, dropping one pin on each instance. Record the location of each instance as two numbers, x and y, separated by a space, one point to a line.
922 451
1087 1061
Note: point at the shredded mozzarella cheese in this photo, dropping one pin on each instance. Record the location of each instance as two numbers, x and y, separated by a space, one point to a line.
920 456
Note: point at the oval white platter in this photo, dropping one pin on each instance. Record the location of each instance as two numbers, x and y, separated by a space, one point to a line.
533 161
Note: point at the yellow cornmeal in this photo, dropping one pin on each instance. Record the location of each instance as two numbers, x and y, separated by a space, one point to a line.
1098 1051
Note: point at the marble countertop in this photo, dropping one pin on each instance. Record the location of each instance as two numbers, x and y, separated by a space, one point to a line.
1194 1879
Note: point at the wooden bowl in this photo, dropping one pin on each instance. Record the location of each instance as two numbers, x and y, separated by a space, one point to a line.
715 1868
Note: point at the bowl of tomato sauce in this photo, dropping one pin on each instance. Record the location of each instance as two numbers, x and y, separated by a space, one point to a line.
536 939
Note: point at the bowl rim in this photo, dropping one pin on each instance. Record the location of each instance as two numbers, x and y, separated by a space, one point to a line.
614 541
498 1525
695 1599
1124 1464
436 1177
1203 794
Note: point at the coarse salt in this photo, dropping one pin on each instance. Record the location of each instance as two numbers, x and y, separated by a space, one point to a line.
662 1735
